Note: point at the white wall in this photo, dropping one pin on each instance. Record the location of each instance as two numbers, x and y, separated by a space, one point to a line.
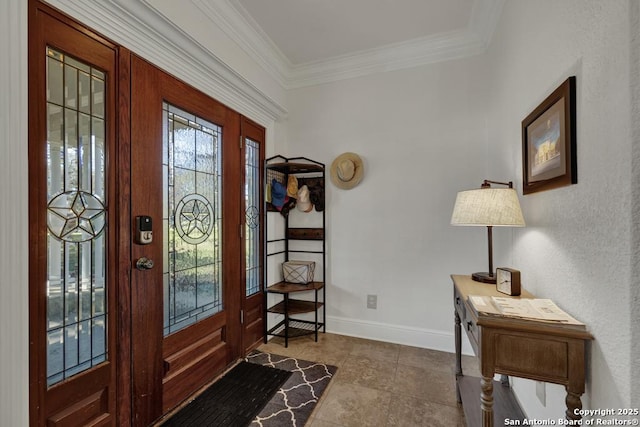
14 320
422 136
634 301
428 132
577 246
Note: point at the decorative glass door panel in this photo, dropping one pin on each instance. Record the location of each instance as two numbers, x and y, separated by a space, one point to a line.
76 217
253 207
192 220
253 233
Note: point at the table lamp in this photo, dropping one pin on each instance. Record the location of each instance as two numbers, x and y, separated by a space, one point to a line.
490 207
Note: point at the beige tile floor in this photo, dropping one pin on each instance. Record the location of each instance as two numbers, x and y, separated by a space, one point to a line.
380 384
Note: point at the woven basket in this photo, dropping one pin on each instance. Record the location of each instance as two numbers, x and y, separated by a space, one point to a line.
300 272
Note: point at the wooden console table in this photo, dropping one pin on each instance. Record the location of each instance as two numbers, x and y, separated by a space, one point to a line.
544 351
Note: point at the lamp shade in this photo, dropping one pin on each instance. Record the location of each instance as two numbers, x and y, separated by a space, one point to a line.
488 207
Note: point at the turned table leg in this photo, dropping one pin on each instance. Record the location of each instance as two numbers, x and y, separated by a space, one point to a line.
458 354
486 401
574 405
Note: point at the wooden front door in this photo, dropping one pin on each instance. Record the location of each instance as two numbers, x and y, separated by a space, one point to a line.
185 181
146 233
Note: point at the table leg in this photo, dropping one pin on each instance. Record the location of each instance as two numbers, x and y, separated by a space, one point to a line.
286 320
458 333
486 401
574 405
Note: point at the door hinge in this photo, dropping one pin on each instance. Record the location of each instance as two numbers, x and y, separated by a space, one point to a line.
241 231
241 142
242 317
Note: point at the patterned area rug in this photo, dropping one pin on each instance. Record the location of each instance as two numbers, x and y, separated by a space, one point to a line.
293 403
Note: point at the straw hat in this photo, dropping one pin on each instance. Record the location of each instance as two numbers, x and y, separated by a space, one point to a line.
292 186
304 204
347 171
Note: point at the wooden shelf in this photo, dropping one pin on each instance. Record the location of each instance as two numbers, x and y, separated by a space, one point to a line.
295 306
295 167
305 234
287 288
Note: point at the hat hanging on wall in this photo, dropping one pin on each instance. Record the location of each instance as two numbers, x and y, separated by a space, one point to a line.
347 170
278 194
316 194
304 203
292 186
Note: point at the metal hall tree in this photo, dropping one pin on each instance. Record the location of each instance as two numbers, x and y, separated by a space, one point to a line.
295 227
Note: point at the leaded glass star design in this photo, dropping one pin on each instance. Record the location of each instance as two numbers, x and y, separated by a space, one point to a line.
75 216
253 217
194 218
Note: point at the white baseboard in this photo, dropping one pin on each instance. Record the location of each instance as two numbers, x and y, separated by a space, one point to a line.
397 334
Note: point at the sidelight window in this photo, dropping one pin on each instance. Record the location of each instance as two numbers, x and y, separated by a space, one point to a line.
252 217
76 217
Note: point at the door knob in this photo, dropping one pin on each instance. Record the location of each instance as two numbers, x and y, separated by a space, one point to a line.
144 264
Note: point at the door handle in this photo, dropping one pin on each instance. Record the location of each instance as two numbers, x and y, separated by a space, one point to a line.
144 263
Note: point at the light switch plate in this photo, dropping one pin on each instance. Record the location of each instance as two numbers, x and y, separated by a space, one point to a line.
372 301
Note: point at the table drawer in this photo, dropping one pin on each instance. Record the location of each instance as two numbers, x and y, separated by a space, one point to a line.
467 321
470 324
459 304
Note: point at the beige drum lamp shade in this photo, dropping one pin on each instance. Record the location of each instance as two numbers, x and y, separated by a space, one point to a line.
488 206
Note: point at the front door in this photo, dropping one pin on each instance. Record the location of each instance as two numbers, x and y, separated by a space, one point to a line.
186 294
146 234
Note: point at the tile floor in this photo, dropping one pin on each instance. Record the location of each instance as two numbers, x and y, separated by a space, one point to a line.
381 384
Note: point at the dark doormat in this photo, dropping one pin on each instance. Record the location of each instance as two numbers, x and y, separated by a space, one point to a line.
234 400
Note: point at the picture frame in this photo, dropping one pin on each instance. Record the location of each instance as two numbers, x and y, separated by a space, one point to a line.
549 142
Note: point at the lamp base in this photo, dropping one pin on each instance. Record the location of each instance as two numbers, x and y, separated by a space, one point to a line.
484 277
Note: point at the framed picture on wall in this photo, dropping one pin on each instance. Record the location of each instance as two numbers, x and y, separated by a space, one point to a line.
549 141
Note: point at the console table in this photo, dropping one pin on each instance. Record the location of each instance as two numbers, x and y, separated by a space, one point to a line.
544 351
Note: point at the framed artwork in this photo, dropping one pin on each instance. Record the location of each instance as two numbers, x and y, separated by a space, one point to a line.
549 141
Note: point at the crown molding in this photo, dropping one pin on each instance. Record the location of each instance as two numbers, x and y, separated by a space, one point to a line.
137 25
233 19
485 15
397 56
237 23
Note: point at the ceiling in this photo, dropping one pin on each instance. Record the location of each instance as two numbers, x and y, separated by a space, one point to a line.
313 30
307 42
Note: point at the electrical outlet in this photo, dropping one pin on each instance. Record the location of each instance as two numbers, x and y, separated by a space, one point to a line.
372 301
541 392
